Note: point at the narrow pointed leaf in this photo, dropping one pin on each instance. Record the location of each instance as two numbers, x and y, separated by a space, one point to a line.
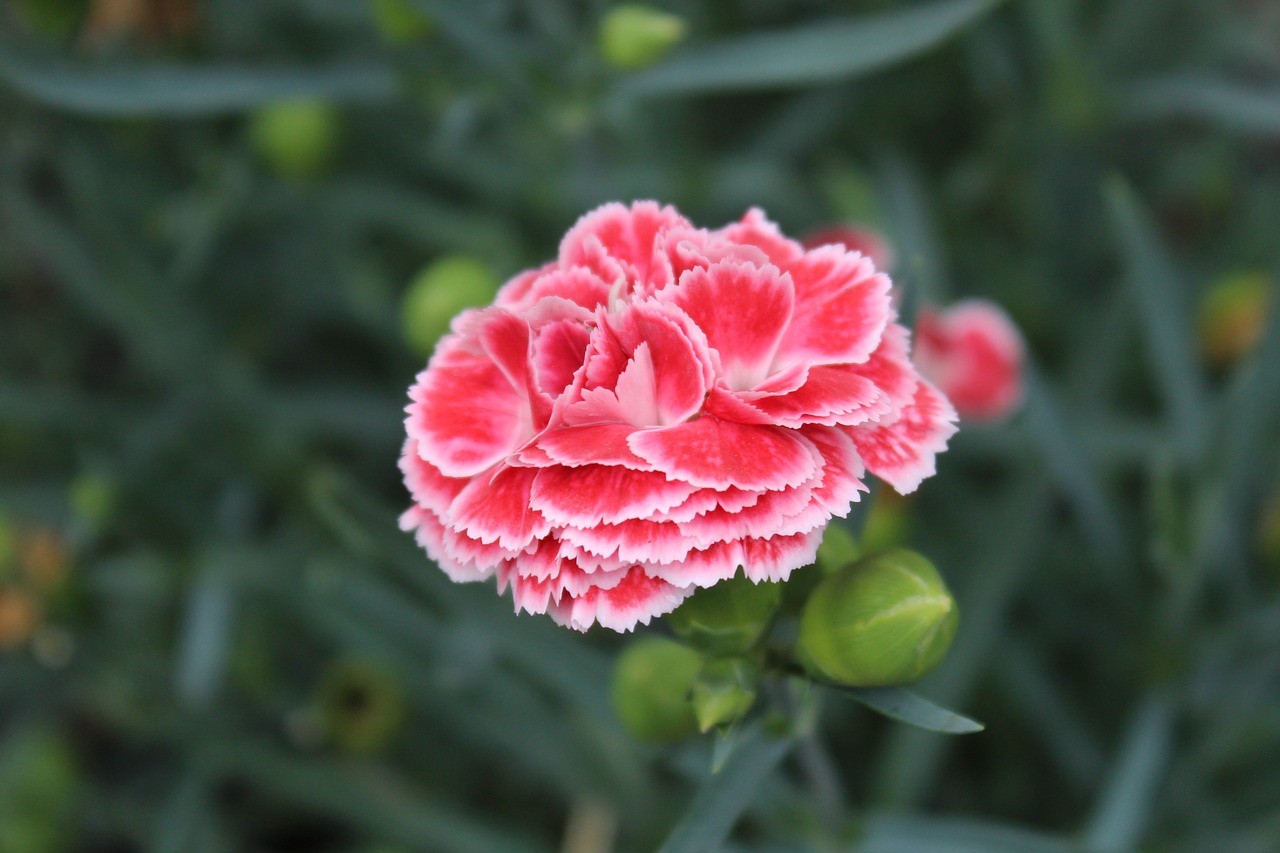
727 794
1227 103
814 53
904 706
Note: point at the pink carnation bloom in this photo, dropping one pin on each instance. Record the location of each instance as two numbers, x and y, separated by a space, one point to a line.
974 353
855 238
657 408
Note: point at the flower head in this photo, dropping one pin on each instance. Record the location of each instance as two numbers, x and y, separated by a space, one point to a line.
658 408
974 353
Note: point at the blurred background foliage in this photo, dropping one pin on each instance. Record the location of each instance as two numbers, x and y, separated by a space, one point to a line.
230 231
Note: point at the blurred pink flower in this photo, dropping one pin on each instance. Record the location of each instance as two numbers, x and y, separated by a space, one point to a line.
974 353
855 238
657 408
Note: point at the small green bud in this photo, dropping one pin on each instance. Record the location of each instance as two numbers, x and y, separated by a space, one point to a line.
399 21
728 618
296 138
440 291
651 685
886 619
633 36
724 692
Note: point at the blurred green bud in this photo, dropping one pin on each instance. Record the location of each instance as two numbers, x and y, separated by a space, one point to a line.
724 692
296 138
886 619
400 21
361 706
40 776
633 36
91 498
651 685
728 618
1232 315
438 293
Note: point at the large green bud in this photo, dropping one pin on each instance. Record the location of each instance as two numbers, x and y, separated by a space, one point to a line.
651 686
885 619
729 618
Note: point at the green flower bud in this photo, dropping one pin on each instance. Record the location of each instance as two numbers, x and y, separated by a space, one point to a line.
651 684
724 692
295 138
728 618
440 291
886 619
633 36
399 21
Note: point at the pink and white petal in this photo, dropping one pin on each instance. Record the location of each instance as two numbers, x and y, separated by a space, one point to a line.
755 229
635 600
516 294
736 406
743 309
633 541
890 368
530 594
855 238
705 500
842 470
573 580
582 286
903 453
497 508
831 394
559 350
426 484
762 518
428 533
626 234
712 453
702 567
776 557
595 494
590 444
465 414
842 307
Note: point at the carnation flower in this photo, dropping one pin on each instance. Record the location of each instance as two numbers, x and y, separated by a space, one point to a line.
974 353
659 408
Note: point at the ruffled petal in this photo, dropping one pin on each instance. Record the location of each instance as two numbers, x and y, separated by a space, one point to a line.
903 453
595 494
744 310
497 508
842 308
634 601
714 453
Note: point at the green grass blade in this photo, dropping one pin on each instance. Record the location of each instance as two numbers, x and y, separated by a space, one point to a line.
1228 104
1151 273
814 53
727 794
176 90
924 834
902 705
1126 802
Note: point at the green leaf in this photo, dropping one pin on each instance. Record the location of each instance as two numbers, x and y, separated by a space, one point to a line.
906 707
1227 103
923 834
727 794
813 53
1150 273
172 89
1121 815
